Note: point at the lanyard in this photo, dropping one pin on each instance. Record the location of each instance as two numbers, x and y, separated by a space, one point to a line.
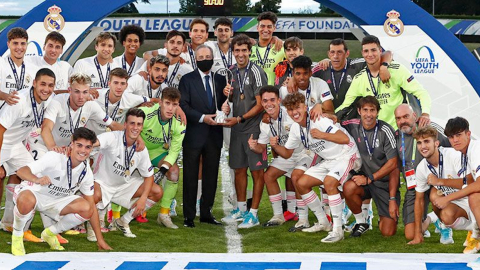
371 147
19 82
263 60
192 57
370 80
224 60
172 76
103 81
69 173
124 65
303 136
279 125
114 113
72 129
414 151
149 89
37 117
464 167
440 166
166 136
240 82
332 74
307 94
128 156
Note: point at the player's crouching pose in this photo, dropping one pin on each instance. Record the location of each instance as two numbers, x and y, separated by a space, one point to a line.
117 159
49 187
276 133
339 153
439 171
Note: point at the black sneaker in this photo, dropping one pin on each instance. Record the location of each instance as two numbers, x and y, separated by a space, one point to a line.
359 229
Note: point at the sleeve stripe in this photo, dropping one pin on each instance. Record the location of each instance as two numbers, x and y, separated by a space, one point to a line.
438 127
390 136
256 75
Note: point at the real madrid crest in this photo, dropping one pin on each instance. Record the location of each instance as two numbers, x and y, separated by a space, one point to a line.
287 128
132 162
83 121
312 100
393 26
54 21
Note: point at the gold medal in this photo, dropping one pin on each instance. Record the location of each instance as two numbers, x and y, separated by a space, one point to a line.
127 172
39 131
108 129
439 192
166 146
242 96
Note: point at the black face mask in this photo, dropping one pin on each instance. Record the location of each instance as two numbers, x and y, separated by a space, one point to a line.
205 65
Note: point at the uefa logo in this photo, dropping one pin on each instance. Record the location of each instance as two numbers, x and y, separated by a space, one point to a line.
425 61
393 26
54 21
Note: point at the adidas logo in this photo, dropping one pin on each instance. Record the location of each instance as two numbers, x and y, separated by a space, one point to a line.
9 76
92 76
150 131
217 64
64 122
118 157
57 178
337 173
28 116
259 164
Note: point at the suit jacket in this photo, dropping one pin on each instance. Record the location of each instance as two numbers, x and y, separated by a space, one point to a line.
194 103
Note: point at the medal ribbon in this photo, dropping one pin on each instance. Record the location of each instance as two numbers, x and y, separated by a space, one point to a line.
172 76
128 156
115 110
224 60
124 65
279 124
240 82
370 148
263 60
37 117
18 82
341 78
72 129
166 137
192 57
103 81
370 80
303 136
69 173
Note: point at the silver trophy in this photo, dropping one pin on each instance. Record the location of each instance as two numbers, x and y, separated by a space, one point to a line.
225 72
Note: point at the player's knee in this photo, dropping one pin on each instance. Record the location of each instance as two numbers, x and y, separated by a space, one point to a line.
409 232
447 216
349 189
388 229
25 202
156 193
331 185
85 210
14 179
474 200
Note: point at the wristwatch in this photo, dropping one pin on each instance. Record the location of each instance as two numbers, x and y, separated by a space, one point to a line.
392 199
242 120
385 64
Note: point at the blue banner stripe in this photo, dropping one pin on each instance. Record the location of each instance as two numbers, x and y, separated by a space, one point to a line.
142 265
461 26
40 265
447 266
243 265
343 266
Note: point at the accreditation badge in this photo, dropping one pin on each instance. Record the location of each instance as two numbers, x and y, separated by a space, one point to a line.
411 180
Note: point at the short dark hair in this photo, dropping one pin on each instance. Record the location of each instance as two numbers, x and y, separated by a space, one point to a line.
240 40
268 15
118 72
198 21
131 29
338 41
104 36
368 100
456 125
84 133
302 61
292 100
55 36
135 112
223 21
173 33
159 59
171 93
293 42
269 89
371 39
45 72
17 32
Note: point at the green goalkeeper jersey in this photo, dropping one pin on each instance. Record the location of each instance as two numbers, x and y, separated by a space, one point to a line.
267 58
162 137
389 94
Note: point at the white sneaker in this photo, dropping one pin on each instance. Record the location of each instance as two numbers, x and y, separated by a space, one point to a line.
111 226
333 236
90 233
318 227
426 234
166 221
276 220
103 227
235 215
249 221
300 225
124 228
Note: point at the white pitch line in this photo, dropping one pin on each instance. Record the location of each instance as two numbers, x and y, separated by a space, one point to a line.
234 239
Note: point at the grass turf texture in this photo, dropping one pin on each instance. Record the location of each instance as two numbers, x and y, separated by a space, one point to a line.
152 237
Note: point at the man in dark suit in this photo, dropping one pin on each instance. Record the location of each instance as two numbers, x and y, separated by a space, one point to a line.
201 97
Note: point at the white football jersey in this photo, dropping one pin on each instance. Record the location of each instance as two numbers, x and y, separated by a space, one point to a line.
59 112
118 115
220 59
99 77
137 85
185 55
8 81
473 154
175 73
54 165
119 62
62 71
109 167
319 92
325 149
